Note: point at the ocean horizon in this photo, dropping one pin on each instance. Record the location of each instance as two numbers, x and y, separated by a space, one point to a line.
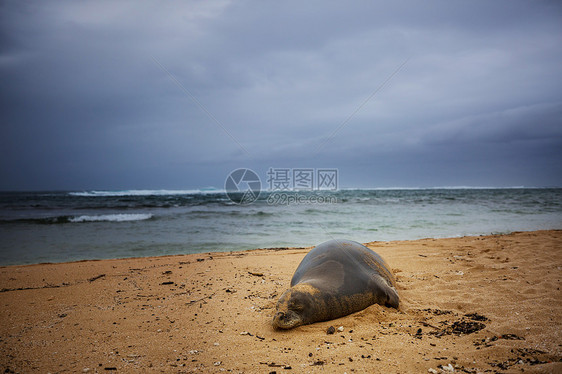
60 226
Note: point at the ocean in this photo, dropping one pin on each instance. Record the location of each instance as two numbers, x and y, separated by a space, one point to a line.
37 227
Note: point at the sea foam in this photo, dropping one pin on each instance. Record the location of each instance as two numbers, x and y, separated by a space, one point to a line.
112 217
143 192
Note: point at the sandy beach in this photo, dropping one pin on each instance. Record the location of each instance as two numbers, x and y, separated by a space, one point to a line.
471 304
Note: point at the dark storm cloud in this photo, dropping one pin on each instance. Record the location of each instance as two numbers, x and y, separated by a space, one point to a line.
86 104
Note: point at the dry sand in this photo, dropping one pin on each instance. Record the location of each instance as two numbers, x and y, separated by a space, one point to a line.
212 313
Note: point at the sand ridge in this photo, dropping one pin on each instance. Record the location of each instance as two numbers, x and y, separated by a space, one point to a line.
472 304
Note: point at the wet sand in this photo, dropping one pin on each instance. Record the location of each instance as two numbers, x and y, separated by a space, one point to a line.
471 304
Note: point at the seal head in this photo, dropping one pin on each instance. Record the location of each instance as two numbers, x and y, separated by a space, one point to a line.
296 307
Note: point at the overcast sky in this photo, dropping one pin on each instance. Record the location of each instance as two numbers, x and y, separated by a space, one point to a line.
148 95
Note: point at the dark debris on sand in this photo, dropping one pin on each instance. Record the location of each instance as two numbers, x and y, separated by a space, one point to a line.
476 317
467 324
466 327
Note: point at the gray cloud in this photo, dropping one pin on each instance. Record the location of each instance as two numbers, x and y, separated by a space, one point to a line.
85 106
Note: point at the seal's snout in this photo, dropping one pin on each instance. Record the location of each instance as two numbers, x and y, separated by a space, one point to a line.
286 320
278 319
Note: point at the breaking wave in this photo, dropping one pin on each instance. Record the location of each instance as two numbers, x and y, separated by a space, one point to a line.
112 217
143 193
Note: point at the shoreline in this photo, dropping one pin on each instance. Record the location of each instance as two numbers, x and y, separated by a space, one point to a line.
192 313
210 253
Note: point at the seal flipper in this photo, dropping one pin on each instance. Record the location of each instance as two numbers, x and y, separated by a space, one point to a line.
392 298
384 293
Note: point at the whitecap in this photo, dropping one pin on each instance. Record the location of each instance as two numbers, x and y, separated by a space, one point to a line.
112 217
143 192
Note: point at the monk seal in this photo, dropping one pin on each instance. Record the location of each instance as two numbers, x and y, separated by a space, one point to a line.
336 278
